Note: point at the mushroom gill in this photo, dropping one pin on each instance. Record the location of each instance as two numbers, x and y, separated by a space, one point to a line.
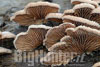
83 10
84 1
56 33
23 19
27 41
80 21
82 39
78 40
35 13
95 15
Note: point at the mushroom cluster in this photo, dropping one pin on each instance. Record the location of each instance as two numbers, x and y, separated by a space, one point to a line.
78 30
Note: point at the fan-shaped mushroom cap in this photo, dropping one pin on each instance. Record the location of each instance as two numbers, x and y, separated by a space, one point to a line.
56 33
95 15
4 50
31 39
56 17
41 9
84 1
35 13
83 10
80 21
56 59
69 12
96 64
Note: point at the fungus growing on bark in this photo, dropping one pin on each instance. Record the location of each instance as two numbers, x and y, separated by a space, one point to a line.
56 33
27 41
82 39
35 13
78 40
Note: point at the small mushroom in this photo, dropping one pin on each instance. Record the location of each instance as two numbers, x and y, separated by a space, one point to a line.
56 17
69 12
4 50
83 10
84 1
80 21
27 41
6 35
35 13
56 33
96 64
95 15
6 39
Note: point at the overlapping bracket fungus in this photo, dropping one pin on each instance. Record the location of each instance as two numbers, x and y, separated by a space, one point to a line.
86 11
78 40
84 1
56 33
80 21
35 13
27 41
96 64
81 10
